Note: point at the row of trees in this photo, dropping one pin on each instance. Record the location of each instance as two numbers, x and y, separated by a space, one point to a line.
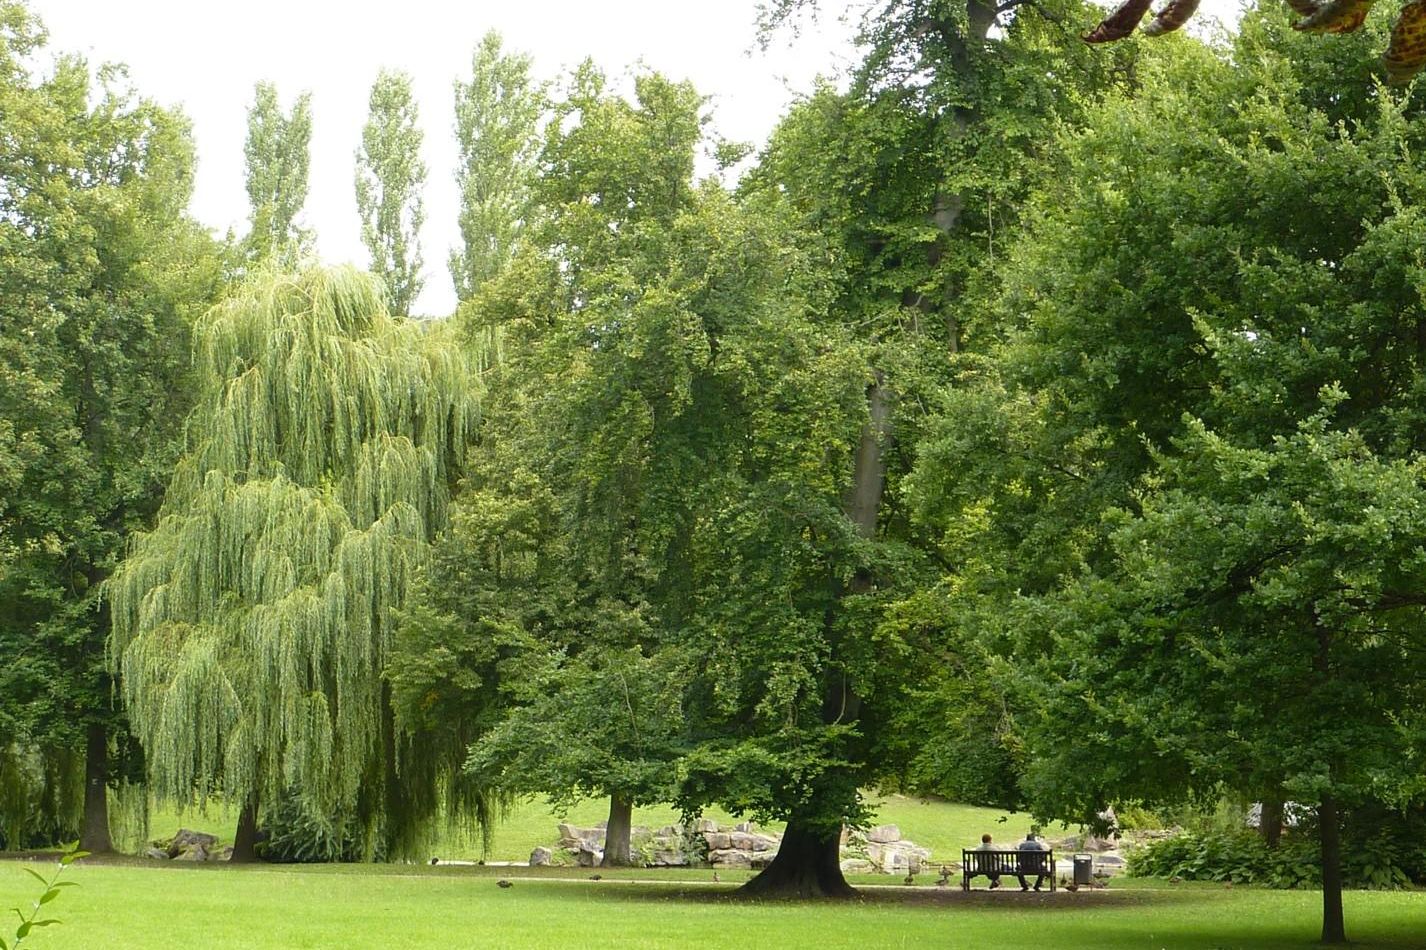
1024 406
498 112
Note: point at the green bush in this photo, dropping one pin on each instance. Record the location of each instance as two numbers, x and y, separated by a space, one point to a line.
1238 857
293 836
1243 857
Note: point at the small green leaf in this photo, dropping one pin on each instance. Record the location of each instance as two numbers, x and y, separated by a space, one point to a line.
23 931
46 923
48 896
72 857
65 884
37 876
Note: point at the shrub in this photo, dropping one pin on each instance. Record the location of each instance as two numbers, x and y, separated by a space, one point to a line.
1242 857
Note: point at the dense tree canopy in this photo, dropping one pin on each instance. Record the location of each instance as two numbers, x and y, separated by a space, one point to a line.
1194 467
101 273
1030 424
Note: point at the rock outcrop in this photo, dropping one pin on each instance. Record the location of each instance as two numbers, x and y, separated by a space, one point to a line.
741 847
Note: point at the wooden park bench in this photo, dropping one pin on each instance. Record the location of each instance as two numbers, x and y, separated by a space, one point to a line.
1006 864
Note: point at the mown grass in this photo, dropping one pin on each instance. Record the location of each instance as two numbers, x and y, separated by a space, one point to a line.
154 907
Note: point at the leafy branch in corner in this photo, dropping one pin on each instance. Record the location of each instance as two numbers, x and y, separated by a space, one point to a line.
52 884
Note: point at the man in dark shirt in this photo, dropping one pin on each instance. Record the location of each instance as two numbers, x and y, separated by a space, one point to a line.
1031 844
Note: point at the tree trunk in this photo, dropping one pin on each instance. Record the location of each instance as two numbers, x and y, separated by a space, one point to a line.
616 833
808 864
1334 930
862 503
94 836
245 839
1270 820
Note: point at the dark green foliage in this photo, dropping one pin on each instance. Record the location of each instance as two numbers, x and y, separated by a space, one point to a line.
101 274
1239 858
1383 850
292 834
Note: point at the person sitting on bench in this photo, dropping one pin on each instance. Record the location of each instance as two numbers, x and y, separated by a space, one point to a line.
1030 844
985 845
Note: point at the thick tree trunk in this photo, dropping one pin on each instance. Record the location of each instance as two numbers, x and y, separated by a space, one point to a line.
245 839
1334 929
94 836
616 833
808 864
1270 821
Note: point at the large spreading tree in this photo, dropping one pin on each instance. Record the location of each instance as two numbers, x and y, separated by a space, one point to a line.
1186 490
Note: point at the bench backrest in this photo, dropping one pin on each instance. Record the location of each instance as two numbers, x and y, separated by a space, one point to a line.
1007 862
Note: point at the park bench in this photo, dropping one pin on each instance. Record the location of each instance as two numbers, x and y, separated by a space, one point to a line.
1006 864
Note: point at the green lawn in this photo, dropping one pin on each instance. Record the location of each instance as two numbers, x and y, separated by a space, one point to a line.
153 907
943 827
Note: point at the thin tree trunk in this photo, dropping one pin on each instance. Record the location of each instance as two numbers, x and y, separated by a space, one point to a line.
616 833
94 836
245 839
1270 820
808 864
1334 929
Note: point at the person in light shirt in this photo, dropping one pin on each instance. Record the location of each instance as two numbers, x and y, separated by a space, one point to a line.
985 845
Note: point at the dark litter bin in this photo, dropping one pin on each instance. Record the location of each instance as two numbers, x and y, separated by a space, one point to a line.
1083 869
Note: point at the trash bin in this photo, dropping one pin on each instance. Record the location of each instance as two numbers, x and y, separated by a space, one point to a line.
1083 869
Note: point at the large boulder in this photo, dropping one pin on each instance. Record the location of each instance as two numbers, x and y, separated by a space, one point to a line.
765 843
158 854
729 858
884 834
718 841
541 857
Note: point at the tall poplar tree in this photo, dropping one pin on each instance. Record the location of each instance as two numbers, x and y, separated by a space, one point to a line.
252 625
497 121
389 178
276 160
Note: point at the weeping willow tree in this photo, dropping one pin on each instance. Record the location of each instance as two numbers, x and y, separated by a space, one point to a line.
251 627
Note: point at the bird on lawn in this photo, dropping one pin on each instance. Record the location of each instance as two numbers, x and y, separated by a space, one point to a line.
596 877
909 879
715 877
504 883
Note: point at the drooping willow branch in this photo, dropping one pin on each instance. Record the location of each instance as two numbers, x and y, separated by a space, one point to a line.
251 626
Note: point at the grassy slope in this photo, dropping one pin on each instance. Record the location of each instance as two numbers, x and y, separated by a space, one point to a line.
943 827
157 907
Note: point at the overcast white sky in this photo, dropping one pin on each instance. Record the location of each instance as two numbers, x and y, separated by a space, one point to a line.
206 57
